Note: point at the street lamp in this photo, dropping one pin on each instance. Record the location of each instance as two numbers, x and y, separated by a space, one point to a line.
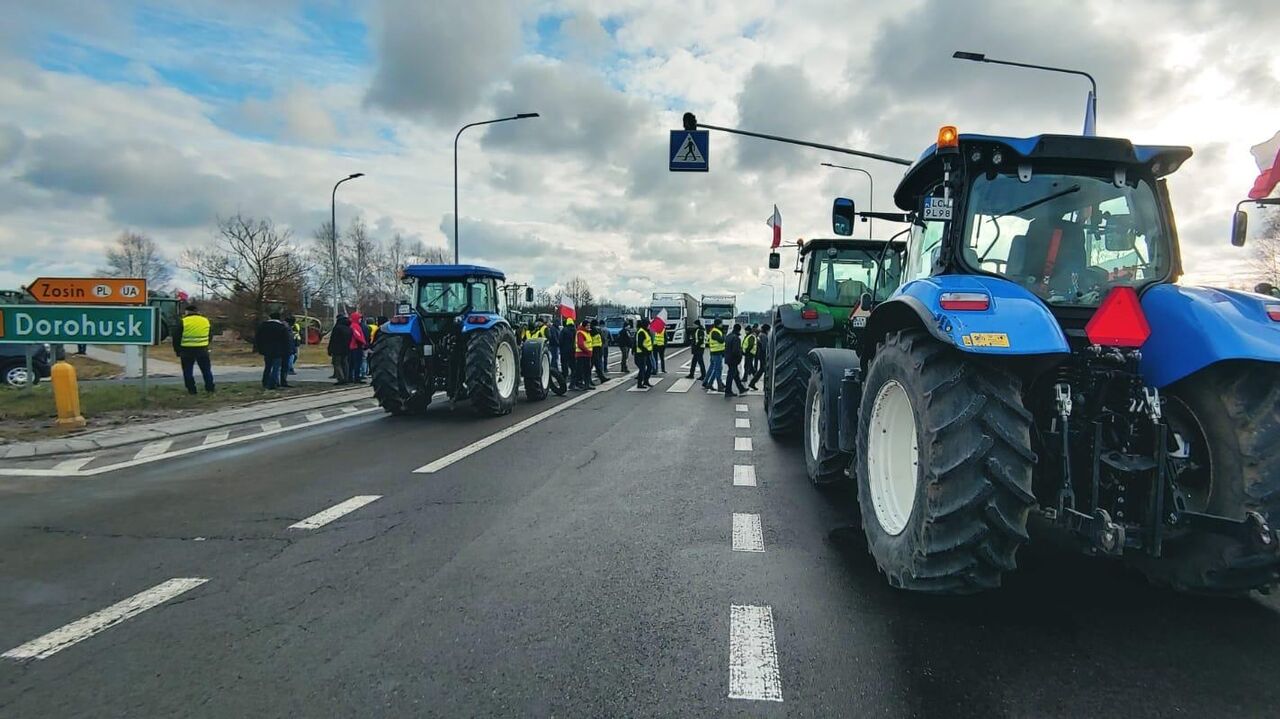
1093 92
333 239
521 116
773 292
871 191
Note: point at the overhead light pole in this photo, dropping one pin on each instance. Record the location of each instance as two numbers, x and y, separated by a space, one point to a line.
773 292
871 191
521 116
1090 127
333 240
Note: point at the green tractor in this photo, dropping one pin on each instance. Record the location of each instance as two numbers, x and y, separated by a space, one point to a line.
833 301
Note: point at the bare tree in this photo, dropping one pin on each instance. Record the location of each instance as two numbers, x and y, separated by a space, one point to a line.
136 255
1265 260
359 260
579 291
250 263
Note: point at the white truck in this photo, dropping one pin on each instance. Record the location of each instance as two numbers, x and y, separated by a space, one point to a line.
722 307
682 310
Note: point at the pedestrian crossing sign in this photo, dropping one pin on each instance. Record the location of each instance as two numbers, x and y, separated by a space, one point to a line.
689 151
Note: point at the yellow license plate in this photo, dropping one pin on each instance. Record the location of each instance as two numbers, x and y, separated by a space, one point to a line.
986 339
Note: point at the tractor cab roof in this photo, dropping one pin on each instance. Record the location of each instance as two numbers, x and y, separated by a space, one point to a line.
843 243
925 171
451 272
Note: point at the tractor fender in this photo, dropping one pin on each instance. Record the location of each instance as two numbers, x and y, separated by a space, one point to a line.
491 321
1194 327
1015 322
832 363
411 327
531 357
789 316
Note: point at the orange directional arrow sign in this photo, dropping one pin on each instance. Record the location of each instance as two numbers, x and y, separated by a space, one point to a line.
89 290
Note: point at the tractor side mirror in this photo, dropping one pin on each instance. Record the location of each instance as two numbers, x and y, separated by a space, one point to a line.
528 294
1239 227
842 216
775 260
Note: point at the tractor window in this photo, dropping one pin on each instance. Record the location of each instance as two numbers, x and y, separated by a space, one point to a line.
923 249
482 296
1067 238
442 298
841 278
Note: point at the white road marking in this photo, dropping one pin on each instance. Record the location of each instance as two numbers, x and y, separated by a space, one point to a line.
319 519
742 444
747 534
742 423
154 449
315 416
681 385
740 408
213 437
753 655
652 381
81 629
744 475
73 464
350 409
271 426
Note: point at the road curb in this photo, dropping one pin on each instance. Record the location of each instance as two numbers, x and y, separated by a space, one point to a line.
126 435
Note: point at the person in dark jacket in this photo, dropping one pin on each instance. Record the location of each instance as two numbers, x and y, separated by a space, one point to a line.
626 341
339 354
553 342
762 349
697 343
733 359
567 334
273 341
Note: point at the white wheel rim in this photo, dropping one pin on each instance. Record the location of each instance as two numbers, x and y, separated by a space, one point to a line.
546 371
506 369
815 433
16 376
893 457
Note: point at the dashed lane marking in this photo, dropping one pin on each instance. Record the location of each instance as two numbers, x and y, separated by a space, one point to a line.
214 437
681 385
744 475
319 519
81 629
153 449
753 655
742 423
740 408
747 534
742 444
74 464
271 426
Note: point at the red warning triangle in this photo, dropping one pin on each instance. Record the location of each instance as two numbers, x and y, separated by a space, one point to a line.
1119 321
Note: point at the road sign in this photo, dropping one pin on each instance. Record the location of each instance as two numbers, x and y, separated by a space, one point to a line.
689 151
37 324
89 290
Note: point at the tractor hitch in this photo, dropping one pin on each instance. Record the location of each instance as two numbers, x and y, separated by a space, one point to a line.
1253 530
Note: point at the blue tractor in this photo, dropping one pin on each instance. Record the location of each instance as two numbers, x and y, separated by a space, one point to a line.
1039 369
452 336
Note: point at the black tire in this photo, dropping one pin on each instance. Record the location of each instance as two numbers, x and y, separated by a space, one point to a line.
786 379
558 386
536 365
974 461
1230 414
483 379
826 465
396 370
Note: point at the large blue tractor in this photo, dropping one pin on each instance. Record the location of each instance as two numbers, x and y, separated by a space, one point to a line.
452 336
1039 369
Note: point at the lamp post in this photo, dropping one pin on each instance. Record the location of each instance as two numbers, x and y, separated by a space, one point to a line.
333 239
773 292
1090 128
782 275
871 191
521 116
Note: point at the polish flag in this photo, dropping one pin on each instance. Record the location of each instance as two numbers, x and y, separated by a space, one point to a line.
776 223
659 323
1267 156
567 310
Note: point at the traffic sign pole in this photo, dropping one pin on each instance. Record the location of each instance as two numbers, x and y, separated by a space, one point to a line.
31 370
144 372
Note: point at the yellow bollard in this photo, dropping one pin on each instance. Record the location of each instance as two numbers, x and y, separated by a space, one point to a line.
66 395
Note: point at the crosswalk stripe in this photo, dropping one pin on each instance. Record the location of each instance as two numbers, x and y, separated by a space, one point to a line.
681 385
151 449
753 655
216 437
315 416
74 464
271 426
652 381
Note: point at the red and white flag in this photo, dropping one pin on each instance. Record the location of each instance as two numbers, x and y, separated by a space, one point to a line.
1268 157
659 323
567 310
775 221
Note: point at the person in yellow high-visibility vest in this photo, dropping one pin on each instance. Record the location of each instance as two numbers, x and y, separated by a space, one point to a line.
597 352
192 347
644 350
715 343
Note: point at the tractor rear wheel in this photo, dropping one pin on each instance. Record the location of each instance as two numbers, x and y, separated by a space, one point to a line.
492 370
824 465
786 378
398 372
944 465
1224 450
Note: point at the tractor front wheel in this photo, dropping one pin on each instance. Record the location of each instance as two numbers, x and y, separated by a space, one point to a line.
398 371
492 370
944 465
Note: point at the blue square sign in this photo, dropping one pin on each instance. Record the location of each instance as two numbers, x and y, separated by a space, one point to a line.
689 151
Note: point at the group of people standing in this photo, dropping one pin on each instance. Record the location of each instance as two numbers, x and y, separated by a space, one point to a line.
738 347
277 339
350 343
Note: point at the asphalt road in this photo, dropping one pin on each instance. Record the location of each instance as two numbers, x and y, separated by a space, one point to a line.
581 566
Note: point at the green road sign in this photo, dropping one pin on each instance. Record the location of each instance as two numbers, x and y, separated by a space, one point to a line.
36 324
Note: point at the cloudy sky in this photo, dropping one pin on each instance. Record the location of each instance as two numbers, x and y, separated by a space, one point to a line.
160 116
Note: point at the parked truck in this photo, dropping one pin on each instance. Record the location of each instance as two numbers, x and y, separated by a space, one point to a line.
682 310
721 307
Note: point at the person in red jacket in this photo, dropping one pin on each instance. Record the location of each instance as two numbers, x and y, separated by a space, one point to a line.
356 347
582 359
